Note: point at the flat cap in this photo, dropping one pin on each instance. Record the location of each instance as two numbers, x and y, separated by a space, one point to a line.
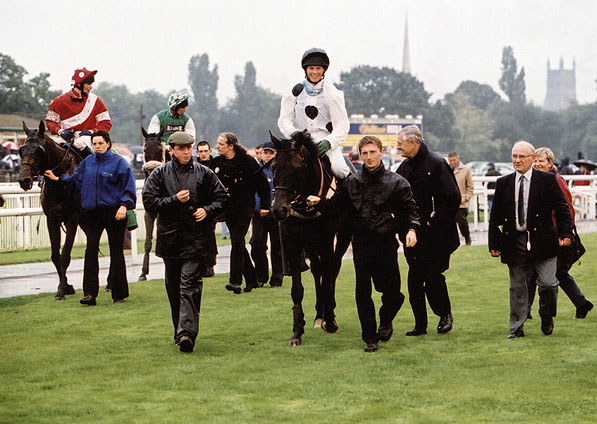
180 138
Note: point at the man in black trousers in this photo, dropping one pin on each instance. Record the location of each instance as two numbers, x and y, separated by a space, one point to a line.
438 198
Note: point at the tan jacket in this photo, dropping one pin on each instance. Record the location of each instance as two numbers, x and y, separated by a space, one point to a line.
465 184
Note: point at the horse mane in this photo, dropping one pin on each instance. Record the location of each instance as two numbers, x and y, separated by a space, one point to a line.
305 139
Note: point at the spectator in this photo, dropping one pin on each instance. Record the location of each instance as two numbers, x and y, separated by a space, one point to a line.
491 172
465 185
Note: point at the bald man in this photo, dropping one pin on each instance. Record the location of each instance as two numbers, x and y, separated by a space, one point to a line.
522 232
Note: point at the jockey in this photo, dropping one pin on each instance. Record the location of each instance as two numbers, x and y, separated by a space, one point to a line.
316 105
76 114
174 118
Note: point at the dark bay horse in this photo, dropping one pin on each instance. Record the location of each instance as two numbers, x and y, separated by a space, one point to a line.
60 205
155 154
298 173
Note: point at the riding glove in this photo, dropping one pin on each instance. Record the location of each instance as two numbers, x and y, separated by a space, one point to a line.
66 134
85 132
295 134
322 147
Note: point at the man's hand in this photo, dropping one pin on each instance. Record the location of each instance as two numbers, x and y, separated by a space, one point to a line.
323 147
495 253
183 196
120 213
200 214
312 200
66 134
263 212
411 238
565 242
49 174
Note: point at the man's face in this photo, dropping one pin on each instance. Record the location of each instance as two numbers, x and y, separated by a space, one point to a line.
267 155
181 110
454 161
522 158
87 87
408 149
542 164
371 156
182 153
99 144
315 73
203 152
224 149
259 154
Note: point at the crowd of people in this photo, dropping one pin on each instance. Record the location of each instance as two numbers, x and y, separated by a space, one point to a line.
422 204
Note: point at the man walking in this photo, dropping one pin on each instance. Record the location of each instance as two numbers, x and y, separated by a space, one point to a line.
464 180
438 198
522 232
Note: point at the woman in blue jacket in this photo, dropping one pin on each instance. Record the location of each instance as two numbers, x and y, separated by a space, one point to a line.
107 186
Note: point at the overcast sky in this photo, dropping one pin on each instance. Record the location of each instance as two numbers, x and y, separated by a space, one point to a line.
148 44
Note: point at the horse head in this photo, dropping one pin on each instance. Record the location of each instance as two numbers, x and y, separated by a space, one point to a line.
33 156
295 169
155 152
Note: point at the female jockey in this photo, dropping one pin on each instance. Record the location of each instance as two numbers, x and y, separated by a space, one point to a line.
317 106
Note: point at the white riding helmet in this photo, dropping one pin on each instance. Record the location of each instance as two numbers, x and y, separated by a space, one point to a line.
175 99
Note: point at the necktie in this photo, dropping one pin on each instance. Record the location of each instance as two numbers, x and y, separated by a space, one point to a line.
521 212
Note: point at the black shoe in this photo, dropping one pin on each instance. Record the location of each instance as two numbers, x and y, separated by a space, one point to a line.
209 272
142 277
186 344
516 334
583 310
468 242
385 333
233 288
415 332
445 324
259 285
117 300
88 300
248 289
272 284
371 347
547 325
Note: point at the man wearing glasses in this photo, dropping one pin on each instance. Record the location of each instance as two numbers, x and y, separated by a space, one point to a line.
522 232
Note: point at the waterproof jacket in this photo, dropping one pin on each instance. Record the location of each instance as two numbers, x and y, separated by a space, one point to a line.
178 234
380 205
242 177
105 180
438 198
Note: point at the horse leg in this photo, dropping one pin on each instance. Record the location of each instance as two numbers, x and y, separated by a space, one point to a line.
65 256
328 289
316 272
298 325
149 223
54 232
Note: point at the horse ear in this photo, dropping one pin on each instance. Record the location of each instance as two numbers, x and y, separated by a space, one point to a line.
143 131
273 138
42 128
25 128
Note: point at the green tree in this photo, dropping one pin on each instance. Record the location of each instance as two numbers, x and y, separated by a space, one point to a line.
512 82
580 131
372 90
204 84
480 95
41 93
253 112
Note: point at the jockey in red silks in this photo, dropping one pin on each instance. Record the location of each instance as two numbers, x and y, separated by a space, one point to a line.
76 114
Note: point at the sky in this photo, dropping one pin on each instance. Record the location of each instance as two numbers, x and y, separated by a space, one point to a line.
148 44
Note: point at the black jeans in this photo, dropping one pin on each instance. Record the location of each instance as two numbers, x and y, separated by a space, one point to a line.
93 224
262 227
462 221
567 283
184 286
240 262
383 270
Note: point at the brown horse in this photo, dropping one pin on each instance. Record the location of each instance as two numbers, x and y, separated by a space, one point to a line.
60 205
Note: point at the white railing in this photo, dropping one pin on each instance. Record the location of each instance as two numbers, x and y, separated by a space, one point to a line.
23 224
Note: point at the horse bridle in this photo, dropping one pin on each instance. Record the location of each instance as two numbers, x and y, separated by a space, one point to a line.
40 144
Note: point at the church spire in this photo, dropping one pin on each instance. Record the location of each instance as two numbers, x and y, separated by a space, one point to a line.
405 49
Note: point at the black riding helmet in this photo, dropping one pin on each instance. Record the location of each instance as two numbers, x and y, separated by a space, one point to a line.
315 57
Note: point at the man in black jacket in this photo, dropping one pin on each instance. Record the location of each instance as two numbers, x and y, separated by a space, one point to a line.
438 198
187 198
380 204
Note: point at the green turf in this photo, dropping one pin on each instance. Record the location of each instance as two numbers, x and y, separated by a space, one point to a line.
62 362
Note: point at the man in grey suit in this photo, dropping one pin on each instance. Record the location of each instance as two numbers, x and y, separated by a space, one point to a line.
522 231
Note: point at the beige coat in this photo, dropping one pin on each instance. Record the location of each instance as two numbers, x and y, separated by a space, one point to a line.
465 184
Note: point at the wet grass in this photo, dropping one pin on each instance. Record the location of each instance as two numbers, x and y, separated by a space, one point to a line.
62 362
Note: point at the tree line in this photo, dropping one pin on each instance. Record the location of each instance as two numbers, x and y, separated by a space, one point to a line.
473 120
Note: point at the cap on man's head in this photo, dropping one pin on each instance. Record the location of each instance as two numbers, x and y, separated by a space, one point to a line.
180 138
83 75
269 146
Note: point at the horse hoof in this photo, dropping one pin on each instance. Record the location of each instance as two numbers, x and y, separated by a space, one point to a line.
142 277
317 323
59 297
69 289
295 342
108 289
329 327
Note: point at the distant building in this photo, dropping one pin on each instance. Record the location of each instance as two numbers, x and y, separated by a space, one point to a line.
406 50
561 87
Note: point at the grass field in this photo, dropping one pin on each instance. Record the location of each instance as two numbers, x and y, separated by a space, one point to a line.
61 362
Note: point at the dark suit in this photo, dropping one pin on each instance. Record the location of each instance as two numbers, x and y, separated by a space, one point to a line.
541 235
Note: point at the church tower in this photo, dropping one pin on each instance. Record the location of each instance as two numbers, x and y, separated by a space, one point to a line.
406 50
561 87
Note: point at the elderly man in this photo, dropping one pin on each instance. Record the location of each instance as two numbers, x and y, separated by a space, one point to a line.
464 180
522 232
438 198
544 162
